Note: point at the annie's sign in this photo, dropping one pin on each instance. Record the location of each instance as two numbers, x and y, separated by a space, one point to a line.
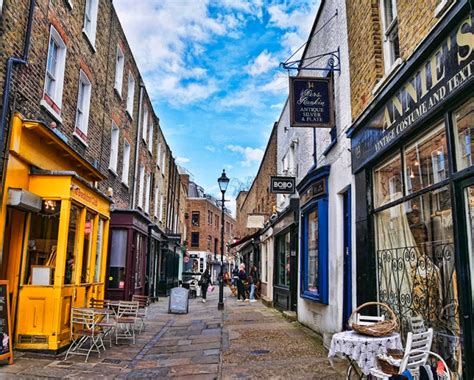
311 102
449 68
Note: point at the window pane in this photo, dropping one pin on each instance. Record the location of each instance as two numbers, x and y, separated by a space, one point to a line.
195 219
416 267
464 130
469 200
194 239
118 255
87 247
426 161
283 259
313 252
70 268
388 182
98 251
42 244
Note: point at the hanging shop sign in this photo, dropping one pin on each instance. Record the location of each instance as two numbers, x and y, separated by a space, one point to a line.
449 68
282 185
311 102
6 350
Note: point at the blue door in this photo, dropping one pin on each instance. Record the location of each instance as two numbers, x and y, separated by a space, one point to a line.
347 287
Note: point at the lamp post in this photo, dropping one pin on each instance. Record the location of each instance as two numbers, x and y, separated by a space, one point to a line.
223 182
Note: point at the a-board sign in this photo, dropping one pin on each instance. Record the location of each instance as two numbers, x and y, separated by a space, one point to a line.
6 350
179 301
282 185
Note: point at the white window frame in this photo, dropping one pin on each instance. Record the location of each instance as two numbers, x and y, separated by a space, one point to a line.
163 163
119 66
130 93
126 162
388 29
83 106
114 147
145 124
150 138
158 154
91 19
147 194
155 204
141 185
56 95
162 199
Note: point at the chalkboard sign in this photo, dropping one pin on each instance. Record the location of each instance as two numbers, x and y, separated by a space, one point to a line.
179 301
6 350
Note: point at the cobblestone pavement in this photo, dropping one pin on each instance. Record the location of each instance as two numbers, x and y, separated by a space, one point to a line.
246 341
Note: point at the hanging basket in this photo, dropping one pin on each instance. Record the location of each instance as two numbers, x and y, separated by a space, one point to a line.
378 328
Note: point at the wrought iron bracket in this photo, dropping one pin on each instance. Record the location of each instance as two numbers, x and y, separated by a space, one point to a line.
331 59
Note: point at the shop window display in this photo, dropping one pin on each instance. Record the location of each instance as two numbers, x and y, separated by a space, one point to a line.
283 259
70 266
118 255
98 250
87 247
388 182
464 130
42 244
313 252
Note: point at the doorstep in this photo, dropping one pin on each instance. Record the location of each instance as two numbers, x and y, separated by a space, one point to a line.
291 316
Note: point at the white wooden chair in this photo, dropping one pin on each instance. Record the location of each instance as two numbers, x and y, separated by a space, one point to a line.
417 351
367 320
417 324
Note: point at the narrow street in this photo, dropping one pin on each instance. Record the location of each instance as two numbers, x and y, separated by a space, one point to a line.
247 341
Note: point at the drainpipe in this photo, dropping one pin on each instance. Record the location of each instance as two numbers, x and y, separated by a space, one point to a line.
137 147
23 60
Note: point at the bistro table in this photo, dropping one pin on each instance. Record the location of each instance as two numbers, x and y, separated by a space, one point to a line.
362 349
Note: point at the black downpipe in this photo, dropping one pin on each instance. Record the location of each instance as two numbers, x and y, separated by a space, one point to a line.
23 60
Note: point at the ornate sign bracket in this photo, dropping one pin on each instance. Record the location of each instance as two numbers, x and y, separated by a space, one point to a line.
325 62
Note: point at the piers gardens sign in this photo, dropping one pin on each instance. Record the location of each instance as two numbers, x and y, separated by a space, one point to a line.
311 102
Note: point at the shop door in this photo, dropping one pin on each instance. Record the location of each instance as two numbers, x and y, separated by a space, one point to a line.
347 286
294 270
465 216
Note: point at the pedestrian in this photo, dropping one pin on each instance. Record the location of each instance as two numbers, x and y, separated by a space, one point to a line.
240 283
253 280
234 280
205 281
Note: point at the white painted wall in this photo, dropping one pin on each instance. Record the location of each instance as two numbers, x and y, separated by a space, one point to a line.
325 319
267 244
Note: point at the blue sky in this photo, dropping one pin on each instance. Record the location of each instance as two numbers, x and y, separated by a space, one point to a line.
212 71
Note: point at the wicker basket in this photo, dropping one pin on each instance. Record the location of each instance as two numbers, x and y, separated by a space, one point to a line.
388 368
379 328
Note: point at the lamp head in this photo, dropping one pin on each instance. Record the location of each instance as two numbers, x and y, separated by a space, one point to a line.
223 181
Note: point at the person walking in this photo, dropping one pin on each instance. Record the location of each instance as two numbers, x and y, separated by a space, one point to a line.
205 281
235 279
253 279
242 276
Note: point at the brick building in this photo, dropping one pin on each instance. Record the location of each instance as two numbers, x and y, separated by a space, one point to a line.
203 226
412 81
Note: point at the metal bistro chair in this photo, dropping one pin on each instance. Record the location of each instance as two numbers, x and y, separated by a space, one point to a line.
108 326
143 303
83 331
126 319
416 354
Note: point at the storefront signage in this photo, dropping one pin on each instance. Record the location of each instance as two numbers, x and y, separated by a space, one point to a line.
179 301
438 78
6 350
81 194
316 190
311 102
282 185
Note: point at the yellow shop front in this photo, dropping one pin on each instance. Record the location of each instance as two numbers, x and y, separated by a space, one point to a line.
54 228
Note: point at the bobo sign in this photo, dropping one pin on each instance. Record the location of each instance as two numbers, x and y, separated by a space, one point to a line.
282 185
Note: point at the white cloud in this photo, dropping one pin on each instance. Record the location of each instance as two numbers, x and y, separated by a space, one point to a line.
250 155
277 106
182 160
279 83
210 148
262 64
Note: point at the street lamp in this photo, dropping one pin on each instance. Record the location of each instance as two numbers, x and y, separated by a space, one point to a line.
223 182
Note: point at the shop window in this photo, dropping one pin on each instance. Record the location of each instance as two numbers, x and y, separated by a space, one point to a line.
119 63
42 245
140 247
315 251
83 106
90 20
464 132
194 239
126 162
388 182
195 218
114 147
145 123
71 252
54 81
283 255
98 251
391 46
87 247
426 161
118 255
130 93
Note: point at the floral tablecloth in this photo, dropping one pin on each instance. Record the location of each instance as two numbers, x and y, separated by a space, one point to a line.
361 348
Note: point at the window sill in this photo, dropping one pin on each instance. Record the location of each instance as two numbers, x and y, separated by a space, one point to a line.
51 111
442 7
69 3
312 297
89 41
130 116
80 139
113 172
125 185
118 92
389 75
